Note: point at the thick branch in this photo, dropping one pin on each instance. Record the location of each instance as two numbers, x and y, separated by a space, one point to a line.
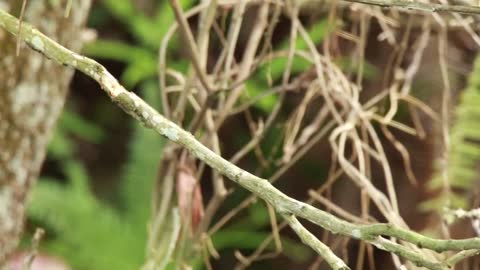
262 188
420 6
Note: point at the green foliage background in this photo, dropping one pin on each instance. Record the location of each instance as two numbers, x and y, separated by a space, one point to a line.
93 234
87 232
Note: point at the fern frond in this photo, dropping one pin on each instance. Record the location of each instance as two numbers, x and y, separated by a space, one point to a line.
464 150
82 228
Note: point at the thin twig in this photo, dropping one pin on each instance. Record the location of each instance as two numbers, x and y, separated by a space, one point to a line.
162 59
22 12
191 45
219 190
445 123
68 8
248 56
37 237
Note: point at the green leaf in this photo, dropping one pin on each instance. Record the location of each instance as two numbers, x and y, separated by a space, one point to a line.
72 123
439 202
258 214
121 9
274 69
250 240
138 71
118 51
253 89
60 147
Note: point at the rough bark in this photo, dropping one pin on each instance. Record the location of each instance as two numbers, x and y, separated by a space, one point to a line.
32 93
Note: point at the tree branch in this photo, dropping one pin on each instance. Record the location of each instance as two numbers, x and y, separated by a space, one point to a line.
262 188
420 6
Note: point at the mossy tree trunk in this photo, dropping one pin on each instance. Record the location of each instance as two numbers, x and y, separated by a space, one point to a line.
32 93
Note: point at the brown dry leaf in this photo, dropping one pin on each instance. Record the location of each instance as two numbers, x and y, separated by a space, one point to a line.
189 195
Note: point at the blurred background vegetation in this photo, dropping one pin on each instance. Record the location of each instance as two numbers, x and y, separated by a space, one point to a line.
94 194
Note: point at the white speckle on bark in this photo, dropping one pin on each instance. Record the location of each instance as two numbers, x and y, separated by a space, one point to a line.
110 83
36 63
233 174
136 103
356 233
30 109
157 119
6 198
37 43
91 73
22 96
19 171
339 265
77 56
145 115
16 165
8 60
39 114
170 133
